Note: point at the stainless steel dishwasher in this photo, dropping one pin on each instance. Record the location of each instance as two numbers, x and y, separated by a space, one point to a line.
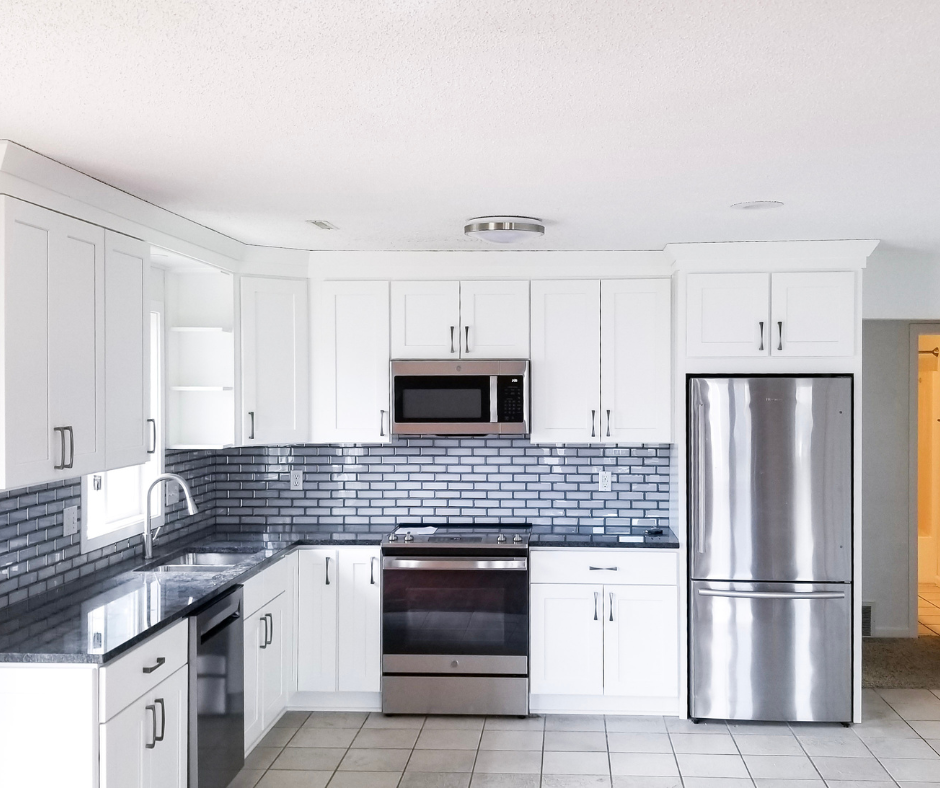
217 692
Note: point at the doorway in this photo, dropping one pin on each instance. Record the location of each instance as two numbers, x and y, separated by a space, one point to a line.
928 484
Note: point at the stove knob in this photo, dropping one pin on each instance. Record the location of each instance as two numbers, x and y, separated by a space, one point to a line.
517 538
392 538
501 538
409 538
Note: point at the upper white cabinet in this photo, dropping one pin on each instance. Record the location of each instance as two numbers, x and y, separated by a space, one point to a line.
636 361
441 320
274 356
127 350
803 314
351 363
566 361
494 319
425 319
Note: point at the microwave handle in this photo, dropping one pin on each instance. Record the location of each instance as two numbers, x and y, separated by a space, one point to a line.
494 405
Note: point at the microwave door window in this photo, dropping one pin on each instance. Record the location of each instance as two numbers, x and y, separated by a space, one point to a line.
431 399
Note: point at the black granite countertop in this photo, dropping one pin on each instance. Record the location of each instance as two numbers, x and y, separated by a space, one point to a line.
110 617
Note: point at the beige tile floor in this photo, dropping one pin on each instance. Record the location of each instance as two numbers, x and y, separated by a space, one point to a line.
928 609
898 744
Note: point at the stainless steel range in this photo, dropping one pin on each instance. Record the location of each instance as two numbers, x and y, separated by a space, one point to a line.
455 619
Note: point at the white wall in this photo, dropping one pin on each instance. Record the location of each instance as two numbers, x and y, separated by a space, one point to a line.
901 286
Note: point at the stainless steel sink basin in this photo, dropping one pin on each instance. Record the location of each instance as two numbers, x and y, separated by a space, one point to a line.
199 562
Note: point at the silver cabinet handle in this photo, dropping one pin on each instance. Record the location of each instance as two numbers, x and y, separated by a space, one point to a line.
153 711
327 570
382 423
153 434
466 330
152 668
779 335
761 324
264 640
270 635
602 568
773 594
593 419
71 447
251 434
61 430
596 598
452 350
159 702
372 571
611 605
608 422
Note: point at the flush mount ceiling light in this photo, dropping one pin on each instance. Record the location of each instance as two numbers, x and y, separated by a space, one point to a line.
323 224
504 229
757 205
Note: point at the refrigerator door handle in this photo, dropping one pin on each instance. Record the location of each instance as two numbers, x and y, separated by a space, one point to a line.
697 473
774 594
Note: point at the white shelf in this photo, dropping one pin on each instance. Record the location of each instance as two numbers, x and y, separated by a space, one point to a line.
202 388
201 329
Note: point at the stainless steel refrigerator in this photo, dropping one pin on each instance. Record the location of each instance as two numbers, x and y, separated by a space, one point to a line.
770 518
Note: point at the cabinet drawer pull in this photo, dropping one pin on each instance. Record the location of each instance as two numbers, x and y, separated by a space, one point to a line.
159 702
264 640
779 335
153 711
153 435
152 668
602 568
611 605
761 324
596 596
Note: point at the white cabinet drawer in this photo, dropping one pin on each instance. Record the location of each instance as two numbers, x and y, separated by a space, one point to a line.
125 679
264 586
610 567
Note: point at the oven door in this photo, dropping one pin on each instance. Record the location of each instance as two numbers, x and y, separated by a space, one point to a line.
455 614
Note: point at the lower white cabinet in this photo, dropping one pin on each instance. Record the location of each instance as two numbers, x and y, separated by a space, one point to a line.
145 745
339 624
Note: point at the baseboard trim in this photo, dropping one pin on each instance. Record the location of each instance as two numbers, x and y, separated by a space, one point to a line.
335 701
602 704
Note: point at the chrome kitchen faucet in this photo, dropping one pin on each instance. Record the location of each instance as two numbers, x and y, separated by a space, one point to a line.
149 535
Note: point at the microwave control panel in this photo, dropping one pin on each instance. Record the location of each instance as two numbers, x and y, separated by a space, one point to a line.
510 398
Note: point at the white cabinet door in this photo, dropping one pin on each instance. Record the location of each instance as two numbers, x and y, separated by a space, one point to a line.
565 361
360 621
567 639
641 641
274 335
316 620
636 361
813 314
728 314
494 319
127 350
168 759
254 701
76 343
123 743
275 659
425 319
351 363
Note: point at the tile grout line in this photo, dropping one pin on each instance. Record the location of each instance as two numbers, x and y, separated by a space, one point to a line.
672 749
747 768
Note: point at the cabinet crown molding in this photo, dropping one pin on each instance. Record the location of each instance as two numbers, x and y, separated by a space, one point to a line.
770 255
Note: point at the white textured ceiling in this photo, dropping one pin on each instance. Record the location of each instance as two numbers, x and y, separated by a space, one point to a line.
625 124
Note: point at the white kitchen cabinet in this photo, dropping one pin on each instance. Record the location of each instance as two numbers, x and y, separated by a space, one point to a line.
351 363
255 638
636 361
275 380
339 626
127 350
813 314
425 319
728 314
567 647
317 581
494 319
145 745
359 644
566 353
641 640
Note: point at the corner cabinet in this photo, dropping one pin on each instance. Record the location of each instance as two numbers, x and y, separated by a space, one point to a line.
351 363
799 314
274 361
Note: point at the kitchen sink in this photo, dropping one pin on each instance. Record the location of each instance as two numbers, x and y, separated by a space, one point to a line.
198 562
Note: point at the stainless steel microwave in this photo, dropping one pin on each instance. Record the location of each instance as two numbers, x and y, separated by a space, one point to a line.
460 397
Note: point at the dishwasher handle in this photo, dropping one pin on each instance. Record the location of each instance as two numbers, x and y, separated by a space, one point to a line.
219 614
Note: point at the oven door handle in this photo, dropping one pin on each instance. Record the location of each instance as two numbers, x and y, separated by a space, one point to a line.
445 563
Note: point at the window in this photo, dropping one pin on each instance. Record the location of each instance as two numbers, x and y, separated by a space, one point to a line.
114 503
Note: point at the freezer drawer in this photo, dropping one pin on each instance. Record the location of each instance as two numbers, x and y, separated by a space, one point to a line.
770 478
771 651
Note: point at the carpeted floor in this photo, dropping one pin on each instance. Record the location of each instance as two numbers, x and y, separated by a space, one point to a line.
901 663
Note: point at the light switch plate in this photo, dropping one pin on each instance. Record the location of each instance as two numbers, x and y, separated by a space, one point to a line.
296 480
603 481
172 494
70 520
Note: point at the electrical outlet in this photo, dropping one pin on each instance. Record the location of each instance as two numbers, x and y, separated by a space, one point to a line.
296 480
603 481
70 520
172 494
